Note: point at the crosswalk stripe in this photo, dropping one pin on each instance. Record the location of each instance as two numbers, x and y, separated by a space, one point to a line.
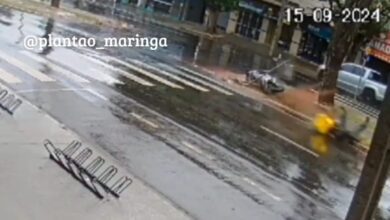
9 78
148 74
55 67
102 77
126 74
217 88
200 75
34 73
179 79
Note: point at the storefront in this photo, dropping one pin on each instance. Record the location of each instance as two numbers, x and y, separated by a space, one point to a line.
379 56
163 6
250 19
314 41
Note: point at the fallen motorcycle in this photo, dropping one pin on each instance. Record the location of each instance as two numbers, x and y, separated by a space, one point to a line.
267 82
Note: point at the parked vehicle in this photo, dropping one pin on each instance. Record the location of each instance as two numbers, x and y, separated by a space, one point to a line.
366 83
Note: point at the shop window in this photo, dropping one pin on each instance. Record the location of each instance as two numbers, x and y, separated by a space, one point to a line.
249 24
162 5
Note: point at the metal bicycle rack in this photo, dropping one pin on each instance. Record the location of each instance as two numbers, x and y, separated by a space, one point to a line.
89 176
9 102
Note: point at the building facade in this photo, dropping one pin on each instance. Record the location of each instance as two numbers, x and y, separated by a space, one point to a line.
188 10
378 55
257 19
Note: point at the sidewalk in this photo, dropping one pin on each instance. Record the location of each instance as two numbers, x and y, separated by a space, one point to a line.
34 187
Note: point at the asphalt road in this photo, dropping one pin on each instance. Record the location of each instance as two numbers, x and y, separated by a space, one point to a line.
213 153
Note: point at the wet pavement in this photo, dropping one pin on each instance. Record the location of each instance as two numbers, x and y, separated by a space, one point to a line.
212 152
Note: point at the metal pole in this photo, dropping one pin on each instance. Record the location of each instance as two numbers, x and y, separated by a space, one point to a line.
278 30
376 165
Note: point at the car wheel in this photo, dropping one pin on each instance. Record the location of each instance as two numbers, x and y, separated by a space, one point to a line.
368 96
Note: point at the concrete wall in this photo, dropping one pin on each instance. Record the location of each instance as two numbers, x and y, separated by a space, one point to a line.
223 20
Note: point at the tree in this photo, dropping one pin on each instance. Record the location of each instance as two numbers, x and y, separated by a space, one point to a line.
55 3
214 7
343 43
368 31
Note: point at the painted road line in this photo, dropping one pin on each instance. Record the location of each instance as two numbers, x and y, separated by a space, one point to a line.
34 73
8 77
124 73
148 74
144 120
277 198
95 93
198 80
48 90
55 67
290 141
102 77
188 70
197 150
172 76
192 147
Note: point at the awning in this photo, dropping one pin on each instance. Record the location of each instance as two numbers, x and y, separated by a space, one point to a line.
253 6
322 32
379 49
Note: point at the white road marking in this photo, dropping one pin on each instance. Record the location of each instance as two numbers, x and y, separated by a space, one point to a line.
148 74
34 73
261 189
197 150
100 96
55 67
290 141
200 75
194 148
8 77
102 77
48 90
124 73
185 82
217 88
144 120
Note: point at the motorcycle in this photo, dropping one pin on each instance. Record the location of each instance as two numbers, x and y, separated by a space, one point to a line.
268 83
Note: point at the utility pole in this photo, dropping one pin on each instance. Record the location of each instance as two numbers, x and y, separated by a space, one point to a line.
55 3
373 177
278 30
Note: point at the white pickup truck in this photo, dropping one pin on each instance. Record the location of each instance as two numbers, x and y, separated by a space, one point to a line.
363 82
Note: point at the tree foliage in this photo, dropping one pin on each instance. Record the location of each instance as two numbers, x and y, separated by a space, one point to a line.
369 30
343 41
222 5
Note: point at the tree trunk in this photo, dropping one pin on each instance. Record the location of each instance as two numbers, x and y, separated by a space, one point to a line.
354 50
344 34
212 20
341 42
55 3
